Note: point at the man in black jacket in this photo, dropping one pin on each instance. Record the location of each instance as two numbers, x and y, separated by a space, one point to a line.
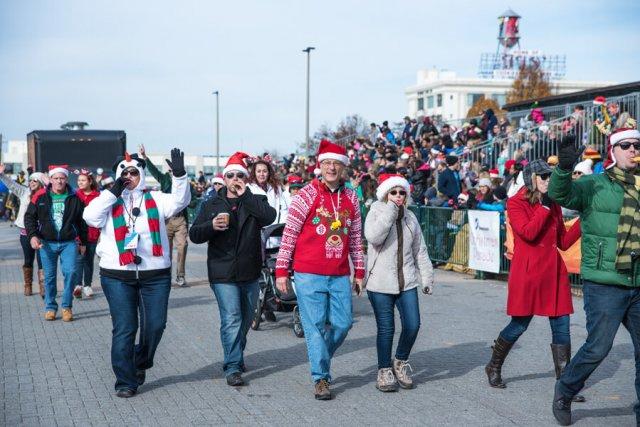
231 224
449 180
53 222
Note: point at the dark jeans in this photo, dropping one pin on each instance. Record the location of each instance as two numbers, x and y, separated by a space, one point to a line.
29 253
236 303
383 304
84 266
606 308
559 329
147 300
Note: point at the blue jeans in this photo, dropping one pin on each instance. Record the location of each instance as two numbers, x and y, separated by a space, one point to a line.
84 266
323 299
147 300
606 308
49 255
559 329
383 304
236 304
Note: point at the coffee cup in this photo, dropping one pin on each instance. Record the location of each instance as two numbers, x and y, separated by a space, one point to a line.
225 216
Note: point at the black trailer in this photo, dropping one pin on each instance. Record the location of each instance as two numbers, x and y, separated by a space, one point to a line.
90 149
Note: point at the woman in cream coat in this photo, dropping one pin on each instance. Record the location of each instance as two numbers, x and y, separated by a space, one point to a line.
397 264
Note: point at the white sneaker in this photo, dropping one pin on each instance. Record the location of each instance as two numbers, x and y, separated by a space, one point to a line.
87 292
181 282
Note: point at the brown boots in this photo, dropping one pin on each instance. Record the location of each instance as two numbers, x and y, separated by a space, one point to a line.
27 274
561 356
493 369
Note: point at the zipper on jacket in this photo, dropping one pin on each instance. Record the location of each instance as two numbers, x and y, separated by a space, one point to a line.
599 260
400 255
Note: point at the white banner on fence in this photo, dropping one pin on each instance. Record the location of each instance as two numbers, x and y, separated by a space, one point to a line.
484 241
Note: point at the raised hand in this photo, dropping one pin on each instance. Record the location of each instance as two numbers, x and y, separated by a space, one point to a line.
176 164
567 154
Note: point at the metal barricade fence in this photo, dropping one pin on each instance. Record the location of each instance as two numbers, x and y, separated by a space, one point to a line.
446 234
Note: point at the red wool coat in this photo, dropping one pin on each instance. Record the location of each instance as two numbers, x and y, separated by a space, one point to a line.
538 279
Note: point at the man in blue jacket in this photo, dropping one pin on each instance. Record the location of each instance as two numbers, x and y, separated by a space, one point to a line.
449 179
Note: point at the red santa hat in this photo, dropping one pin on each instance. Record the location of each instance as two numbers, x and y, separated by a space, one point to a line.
217 179
599 100
329 150
508 164
54 169
83 171
294 179
237 163
615 138
386 181
494 173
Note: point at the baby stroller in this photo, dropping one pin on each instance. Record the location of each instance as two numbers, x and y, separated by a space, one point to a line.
270 297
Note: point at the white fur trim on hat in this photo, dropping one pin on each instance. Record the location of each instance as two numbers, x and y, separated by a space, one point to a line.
334 156
235 167
621 136
58 170
217 180
389 183
484 182
584 167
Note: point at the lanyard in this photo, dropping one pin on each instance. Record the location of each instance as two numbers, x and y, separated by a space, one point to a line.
131 216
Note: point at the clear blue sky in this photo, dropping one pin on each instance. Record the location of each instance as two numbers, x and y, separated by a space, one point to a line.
149 67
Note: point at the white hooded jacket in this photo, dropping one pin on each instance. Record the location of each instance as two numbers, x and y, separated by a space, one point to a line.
98 214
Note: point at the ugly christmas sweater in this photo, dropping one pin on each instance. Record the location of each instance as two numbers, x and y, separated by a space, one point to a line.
323 228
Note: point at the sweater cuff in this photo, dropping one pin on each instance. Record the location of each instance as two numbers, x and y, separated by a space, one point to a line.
282 272
359 273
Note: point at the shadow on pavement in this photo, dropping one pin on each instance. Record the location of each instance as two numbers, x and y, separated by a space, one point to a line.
601 413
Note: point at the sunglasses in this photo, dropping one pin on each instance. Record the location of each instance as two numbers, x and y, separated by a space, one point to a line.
577 173
626 145
130 172
545 176
217 183
231 175
395 192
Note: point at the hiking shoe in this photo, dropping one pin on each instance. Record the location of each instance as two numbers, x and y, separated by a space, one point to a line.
49 315
322 391
67 315
561 407
87 292
235 380
269 316
401 370
386 380
77 292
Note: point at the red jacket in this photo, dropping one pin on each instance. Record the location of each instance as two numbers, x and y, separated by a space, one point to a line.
93 234
312 243
538 279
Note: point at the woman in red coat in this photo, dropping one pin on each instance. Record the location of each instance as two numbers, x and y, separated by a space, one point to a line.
538 279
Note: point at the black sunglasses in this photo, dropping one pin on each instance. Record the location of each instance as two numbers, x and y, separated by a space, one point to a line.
130 172
545 176
626 145
239 175
395 192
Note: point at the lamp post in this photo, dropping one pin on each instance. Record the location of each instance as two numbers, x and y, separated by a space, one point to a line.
217 94
306 121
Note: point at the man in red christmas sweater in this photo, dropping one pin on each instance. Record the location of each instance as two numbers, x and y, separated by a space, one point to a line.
323 229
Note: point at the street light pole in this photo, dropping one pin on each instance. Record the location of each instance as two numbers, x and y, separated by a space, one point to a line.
217 94
307 142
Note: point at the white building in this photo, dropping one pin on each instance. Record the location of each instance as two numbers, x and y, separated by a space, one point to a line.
442 94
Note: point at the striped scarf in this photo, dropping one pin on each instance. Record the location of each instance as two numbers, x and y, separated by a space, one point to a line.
120 228
629 224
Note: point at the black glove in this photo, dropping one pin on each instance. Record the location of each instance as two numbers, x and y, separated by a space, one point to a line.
546 200
177 163
118 186
567 154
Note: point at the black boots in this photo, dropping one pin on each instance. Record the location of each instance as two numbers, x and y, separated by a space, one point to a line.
493 369
561 407
561 357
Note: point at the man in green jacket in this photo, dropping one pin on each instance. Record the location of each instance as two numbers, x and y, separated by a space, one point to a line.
610 219
177 225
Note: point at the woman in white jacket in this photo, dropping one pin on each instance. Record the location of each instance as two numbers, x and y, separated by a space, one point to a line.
135 263
397 264
263 180
37 181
